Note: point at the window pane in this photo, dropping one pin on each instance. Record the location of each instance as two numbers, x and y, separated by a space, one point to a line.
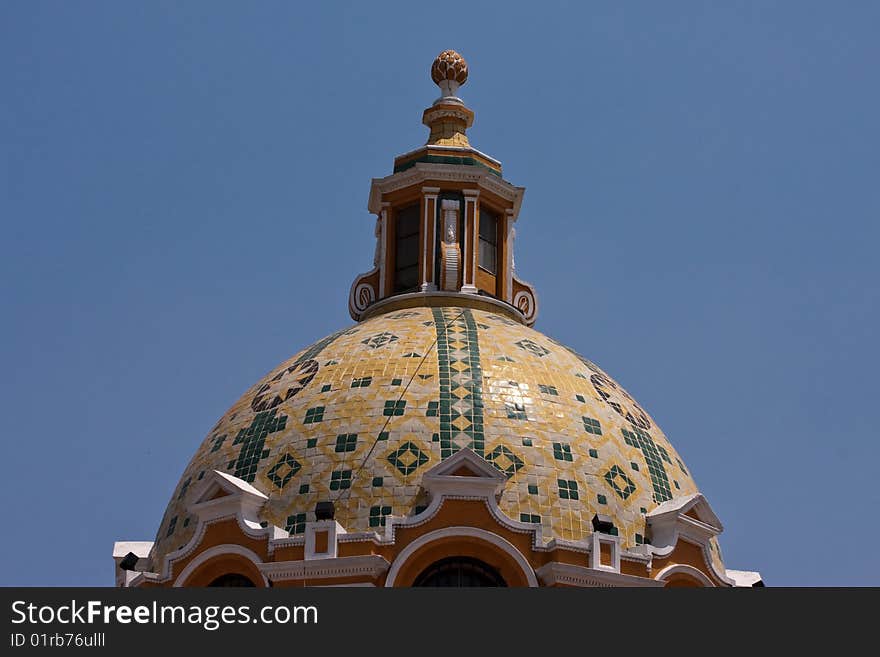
488 254
406 256
406 279
488 227
408 221
407 252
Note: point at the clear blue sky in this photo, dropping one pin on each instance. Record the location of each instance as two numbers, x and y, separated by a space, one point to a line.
183 193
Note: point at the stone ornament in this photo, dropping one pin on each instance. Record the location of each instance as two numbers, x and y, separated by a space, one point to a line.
449 71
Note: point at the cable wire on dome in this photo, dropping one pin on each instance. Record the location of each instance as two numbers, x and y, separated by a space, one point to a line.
341 495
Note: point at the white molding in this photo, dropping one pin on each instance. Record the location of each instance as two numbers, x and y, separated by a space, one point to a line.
681 505
217 551
333 529
471 208
141 549
423 171
572 575
372 565
745 578
420 299
455 532
509 235
526 297
684 569
361 295
429 194
382 212
669 523
485 482
451 487
598 539
242 504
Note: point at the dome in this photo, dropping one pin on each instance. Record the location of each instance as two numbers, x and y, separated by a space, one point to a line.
359 416
440 439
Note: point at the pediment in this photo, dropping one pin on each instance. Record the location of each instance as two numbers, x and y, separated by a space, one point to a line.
218 485
693 506
466 474
466 463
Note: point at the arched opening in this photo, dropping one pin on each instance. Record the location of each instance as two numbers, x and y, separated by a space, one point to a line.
232 579
683 576
223 565
459 572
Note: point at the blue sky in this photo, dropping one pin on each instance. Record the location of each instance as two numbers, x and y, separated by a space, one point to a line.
183 194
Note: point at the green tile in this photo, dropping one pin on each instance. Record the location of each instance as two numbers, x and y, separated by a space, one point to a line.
296 523
340 479
562 452
568 489
313 415
378 515
346 442
592 426
394 407
407 458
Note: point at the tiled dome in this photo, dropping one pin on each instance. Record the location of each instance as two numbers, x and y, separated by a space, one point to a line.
360 415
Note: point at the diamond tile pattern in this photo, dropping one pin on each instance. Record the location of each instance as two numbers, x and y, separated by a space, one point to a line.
425 383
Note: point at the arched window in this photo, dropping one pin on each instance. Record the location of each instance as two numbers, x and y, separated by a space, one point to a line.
232 579
459 572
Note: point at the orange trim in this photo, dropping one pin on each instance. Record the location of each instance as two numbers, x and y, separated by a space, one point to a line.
682 581
225 564
461 546
322 540
468 513
685 553
605 554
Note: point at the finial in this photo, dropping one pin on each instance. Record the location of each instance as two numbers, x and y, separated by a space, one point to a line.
449 71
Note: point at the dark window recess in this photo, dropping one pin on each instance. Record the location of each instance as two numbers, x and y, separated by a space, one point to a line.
488 241
232 579
406 254
460 572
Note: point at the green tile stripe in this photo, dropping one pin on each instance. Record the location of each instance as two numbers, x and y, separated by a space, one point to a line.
461 392
253 440
444 159
659 480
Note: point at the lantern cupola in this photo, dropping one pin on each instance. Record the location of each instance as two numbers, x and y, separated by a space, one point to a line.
444 220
